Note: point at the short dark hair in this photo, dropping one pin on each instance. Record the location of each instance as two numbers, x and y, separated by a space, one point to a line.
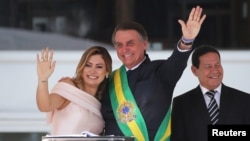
201 50
130 25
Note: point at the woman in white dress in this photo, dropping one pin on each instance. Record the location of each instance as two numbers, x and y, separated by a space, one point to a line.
73 104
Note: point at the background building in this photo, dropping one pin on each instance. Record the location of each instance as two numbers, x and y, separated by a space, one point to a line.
226 26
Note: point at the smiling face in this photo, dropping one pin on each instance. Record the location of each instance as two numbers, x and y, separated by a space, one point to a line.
130 47
210 70
94 71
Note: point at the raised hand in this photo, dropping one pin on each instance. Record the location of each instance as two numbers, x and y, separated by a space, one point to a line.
191 28
45 64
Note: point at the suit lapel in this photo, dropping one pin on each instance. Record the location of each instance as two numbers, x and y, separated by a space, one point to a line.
134 74
225 104
200 105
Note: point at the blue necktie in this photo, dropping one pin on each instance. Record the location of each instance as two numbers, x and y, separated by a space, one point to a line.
213 108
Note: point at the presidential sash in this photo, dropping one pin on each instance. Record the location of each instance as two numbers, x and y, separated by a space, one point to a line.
127 113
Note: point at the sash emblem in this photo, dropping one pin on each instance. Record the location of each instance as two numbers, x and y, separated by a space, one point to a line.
126 112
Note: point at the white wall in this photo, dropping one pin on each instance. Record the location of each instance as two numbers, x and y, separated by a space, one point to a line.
18 80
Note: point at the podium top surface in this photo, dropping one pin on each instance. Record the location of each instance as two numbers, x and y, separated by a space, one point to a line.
94 138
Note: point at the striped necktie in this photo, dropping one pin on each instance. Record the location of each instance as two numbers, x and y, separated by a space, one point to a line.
213 108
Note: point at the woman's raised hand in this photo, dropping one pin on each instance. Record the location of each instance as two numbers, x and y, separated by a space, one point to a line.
45 64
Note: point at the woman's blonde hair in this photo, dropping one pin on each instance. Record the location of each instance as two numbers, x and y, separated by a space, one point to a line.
95 50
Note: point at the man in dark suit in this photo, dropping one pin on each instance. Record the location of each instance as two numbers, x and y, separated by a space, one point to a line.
139 103
190 118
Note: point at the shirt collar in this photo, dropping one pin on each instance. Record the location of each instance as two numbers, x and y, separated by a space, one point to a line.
204 90
136 65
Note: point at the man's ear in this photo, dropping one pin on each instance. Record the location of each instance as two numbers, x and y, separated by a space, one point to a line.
194 70
145 44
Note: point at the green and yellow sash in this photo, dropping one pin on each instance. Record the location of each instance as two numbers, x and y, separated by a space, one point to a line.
127 113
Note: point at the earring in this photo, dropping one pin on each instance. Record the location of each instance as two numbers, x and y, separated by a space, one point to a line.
107 75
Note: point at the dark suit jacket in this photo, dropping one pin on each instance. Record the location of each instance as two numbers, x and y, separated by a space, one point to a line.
152 85
190 117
